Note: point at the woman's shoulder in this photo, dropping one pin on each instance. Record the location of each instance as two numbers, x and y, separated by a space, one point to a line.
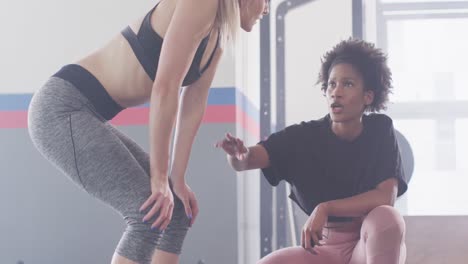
303 129
378 120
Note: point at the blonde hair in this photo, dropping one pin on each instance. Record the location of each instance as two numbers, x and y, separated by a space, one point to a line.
228 21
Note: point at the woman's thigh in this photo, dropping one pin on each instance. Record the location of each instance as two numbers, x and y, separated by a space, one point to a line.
334 254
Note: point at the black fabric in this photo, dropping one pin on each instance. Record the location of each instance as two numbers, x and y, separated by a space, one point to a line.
147 64
322 167
91 88
147 45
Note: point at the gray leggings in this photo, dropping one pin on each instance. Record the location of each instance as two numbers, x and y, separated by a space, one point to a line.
67 130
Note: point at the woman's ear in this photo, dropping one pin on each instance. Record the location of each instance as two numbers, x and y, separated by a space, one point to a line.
368 97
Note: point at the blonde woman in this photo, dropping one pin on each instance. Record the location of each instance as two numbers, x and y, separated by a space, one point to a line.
176 44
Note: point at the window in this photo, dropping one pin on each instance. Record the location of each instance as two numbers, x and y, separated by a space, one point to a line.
426 42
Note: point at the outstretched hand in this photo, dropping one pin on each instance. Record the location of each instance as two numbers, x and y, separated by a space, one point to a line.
233 147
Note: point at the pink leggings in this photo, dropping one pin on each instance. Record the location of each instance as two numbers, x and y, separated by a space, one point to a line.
379 240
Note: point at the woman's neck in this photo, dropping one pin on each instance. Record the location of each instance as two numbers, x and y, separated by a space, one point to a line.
348 131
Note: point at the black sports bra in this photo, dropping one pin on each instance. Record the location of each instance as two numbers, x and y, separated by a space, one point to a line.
147 46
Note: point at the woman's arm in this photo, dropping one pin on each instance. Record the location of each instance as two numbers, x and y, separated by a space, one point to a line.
384 194
256 158
190 115
191 112
241 157
184 34
359 205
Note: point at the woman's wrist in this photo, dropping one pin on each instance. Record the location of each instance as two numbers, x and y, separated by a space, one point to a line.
236 164
159 179
177 179
325 207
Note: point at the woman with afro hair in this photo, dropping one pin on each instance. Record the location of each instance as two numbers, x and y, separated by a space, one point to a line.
344 169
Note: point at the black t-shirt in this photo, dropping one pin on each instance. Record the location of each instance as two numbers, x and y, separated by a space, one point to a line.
321 167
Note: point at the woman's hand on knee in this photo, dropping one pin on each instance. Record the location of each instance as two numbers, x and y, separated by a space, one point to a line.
160 201
313 228
187 196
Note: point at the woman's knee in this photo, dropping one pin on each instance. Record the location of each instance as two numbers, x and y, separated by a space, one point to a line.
384 218
173 237
280 256
138 241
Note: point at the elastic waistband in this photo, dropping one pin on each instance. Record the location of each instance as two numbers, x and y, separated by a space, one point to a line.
91 88
340 219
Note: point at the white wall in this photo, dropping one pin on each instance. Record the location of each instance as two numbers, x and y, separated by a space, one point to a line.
39 37
248 183
42 36
310 31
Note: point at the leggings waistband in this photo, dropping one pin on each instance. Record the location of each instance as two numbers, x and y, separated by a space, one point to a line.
91 88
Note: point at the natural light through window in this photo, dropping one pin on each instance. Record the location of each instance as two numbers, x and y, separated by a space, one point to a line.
428 58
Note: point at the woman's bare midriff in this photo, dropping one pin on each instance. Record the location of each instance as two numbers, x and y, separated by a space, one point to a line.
120 72
118 69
